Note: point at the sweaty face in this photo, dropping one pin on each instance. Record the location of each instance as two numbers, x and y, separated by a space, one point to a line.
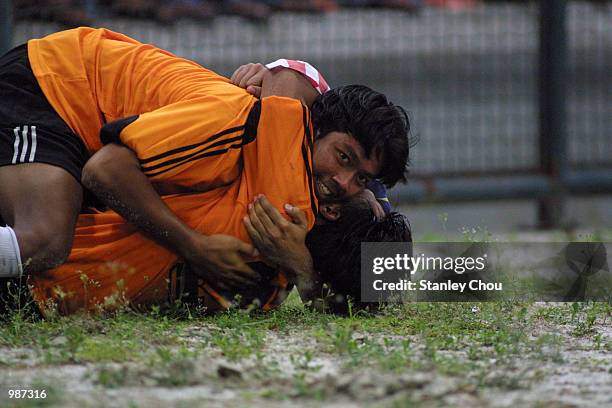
341 168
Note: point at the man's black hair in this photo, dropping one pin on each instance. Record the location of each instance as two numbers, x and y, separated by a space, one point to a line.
377 124
336 250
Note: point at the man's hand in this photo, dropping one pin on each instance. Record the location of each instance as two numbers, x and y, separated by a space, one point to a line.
370 201
261 82
282 243
250 77
219 260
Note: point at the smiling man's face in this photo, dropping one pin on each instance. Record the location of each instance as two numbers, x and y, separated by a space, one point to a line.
341 168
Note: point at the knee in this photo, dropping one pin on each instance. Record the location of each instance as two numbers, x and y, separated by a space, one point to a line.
43 248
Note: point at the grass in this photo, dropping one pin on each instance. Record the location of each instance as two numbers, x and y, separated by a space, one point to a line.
168 349
132 336
82 338
285 354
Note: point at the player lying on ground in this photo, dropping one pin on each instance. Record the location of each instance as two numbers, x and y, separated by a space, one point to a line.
139 269
170 126
112 265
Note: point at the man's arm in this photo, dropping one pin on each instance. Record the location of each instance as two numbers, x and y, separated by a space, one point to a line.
114 175
288 83
250 76
309 285
283 244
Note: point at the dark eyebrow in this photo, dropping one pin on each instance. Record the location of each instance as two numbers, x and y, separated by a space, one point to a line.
351 153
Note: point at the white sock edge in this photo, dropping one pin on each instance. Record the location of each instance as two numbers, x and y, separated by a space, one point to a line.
17 251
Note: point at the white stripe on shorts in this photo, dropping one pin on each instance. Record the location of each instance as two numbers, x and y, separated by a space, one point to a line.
24 149
16 145
33 149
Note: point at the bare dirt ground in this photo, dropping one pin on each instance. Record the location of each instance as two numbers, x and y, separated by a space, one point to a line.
559 361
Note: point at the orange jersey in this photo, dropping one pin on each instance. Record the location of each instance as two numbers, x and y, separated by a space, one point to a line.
111 261
193 144
95 76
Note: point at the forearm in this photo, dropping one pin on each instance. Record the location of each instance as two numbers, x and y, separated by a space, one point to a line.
288 83
305 84
308 282
314 77
114 175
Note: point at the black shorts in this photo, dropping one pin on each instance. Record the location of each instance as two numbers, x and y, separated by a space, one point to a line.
30 129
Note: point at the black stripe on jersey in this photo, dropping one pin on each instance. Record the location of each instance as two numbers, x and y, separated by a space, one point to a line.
306 156
249 135
206 154
308 134
252 122
110 133
192 146
186 158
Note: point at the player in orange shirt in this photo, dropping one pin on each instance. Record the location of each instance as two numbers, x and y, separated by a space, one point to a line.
172 126
112 262
141 266
113 265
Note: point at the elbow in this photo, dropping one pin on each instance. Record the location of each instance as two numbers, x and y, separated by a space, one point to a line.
93 172
104 167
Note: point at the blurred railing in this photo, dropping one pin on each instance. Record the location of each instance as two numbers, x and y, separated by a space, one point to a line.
501 93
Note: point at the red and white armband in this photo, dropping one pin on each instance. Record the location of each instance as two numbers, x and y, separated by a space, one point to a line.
314 77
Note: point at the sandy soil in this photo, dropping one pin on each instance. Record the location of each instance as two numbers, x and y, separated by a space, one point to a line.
293 371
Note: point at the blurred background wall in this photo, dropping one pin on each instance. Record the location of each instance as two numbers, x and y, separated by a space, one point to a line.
510 100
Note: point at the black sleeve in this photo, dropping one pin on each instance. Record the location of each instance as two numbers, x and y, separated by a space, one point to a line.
111 131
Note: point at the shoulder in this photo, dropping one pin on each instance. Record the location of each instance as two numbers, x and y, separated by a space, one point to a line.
286 108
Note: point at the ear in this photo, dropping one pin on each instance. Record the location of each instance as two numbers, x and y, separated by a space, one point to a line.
331 212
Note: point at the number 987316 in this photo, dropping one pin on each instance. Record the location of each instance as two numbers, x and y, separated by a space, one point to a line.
27 394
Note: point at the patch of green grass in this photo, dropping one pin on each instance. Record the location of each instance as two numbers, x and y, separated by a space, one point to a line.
111 377
98 350
431 237
165 367
581 315
303 389
594 312
273 394
496 330
85 338
236 346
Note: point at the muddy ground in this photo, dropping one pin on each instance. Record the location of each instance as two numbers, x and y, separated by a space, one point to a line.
565 365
